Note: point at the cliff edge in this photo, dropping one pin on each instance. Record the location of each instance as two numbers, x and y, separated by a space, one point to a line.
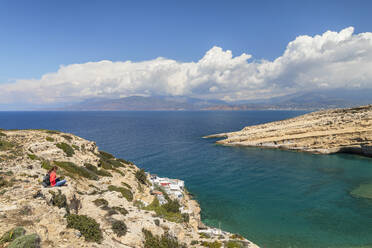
347 130
108 202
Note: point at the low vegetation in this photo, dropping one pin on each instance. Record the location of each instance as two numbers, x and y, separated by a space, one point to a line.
68 150
121 210
26 241
165 241
125 161
67 137
87 226
32 156
141 176
6 145
50 139
236 236
100 202
58 199
45 164
100 172
12 234
234 244
214 244
124 192
119 228
74 170
169 211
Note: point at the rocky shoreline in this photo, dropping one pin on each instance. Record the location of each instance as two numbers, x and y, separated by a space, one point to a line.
346 130
108 202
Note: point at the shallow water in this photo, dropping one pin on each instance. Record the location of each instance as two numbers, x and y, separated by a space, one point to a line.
274 198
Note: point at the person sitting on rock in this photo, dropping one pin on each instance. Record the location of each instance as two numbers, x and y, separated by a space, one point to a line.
54 181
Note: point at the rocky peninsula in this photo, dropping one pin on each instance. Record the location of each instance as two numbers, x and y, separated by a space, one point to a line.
347 130
108 202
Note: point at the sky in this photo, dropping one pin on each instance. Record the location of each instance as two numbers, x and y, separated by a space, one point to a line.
53 52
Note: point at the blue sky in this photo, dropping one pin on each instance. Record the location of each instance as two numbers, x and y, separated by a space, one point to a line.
37 37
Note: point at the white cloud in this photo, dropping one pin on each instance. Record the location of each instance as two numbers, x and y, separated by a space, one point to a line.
331 60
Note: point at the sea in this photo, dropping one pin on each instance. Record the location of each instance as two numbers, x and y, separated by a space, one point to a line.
275 198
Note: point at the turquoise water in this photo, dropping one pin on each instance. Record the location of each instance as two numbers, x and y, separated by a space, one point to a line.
274 198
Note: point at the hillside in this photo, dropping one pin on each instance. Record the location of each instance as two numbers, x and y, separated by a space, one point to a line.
108 202
331 131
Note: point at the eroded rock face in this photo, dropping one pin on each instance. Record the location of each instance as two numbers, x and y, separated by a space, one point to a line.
25 157
330 131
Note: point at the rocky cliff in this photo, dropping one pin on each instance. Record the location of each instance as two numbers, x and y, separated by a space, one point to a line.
107 201
331 131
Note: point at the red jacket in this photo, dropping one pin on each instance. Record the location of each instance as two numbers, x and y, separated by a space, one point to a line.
52 179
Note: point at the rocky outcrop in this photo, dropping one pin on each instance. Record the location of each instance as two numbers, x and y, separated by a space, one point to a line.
103 204
330 131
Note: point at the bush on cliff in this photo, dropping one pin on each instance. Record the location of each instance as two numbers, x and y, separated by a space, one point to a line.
58 199
163 211
26 241
119 228
68 150
87 226
76 170
165 241
124 192
141 176
100 172
12 234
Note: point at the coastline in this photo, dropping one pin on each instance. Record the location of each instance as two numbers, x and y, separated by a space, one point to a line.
323 132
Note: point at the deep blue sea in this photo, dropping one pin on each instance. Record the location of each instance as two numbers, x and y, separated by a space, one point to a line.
274 198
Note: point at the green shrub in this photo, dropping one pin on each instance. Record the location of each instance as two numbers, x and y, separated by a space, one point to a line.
100 202
126 185
76 147
119 228
50 139
163 212
214 244
105 165
58 199
6 145
2 134
12 234
106 155
237 236
45 164
194 242
172 206
186 217
27 241
77 170
52 131
67 137
204 236
68 150
234 244
33 156
125 161
165 241
121 210
87 226
124 192
94 169
141 176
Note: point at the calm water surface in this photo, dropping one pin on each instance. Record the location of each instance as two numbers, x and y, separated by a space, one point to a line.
274 198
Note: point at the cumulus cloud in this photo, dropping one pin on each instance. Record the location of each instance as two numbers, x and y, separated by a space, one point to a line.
331 60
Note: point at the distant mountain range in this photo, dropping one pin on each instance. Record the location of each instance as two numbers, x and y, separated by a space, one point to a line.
306 101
